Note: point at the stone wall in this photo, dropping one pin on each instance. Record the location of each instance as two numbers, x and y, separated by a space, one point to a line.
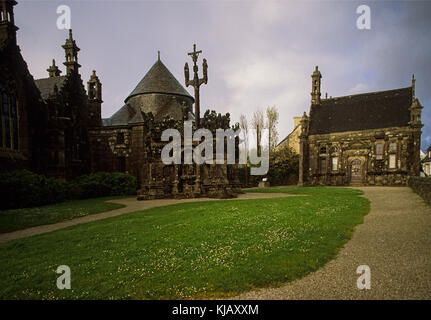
352 157
421 186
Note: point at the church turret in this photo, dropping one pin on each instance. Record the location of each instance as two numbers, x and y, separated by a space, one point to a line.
71 53
415 108
53 70
94 87
416 124
7 23
94 91
315 93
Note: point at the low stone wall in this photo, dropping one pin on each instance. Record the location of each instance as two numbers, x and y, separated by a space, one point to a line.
421 186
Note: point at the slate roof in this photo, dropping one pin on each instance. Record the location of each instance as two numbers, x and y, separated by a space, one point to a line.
46 86
123 116
159 80
373 110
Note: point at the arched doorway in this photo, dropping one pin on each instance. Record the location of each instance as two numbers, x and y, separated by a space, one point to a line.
356 171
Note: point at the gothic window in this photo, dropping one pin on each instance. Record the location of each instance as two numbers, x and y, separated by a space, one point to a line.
1 120
8 119
392 147
379 151
323 150
334 163
322 165
14 121
392 161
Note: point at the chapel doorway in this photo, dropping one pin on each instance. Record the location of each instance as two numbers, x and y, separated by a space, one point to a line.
356 171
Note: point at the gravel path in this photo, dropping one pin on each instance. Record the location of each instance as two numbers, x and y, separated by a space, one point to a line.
394 241
131 204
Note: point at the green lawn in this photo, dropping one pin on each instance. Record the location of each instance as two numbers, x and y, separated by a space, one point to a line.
191 250
16 219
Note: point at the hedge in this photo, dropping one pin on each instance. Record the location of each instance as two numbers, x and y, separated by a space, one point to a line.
21 189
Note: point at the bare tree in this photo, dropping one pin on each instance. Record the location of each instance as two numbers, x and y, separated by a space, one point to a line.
271 124
258 124
243 124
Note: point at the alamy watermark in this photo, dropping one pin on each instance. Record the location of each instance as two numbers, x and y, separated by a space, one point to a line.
363 22
63 281
173 153
64 21
364 281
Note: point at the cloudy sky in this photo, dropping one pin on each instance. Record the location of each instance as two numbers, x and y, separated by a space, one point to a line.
260 53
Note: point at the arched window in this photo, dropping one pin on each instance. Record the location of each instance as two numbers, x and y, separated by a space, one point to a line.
8 119
14 121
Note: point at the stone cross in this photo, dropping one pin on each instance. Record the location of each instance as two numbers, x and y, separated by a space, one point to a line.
196 81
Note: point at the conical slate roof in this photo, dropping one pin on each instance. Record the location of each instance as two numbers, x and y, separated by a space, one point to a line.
159 80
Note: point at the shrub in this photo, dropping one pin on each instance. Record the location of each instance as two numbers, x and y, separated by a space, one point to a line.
105 184
21 189
25 189
283 167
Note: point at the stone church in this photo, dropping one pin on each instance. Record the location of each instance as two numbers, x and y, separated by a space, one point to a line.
362 139
54 126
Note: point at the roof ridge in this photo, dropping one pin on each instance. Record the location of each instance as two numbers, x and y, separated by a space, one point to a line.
366 93
48 78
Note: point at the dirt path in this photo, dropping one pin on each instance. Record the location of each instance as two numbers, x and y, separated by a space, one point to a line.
131 205
394 241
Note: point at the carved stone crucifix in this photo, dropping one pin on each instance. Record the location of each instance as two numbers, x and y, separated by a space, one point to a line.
196 82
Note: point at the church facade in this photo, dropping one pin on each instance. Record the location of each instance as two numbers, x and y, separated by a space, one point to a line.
54 126
362 139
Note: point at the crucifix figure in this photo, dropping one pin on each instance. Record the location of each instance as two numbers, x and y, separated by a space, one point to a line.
196 82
